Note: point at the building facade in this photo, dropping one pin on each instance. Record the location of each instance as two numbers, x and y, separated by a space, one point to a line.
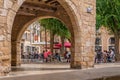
104 39
78 16
33 39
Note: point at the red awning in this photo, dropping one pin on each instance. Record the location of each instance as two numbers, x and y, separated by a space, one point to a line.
59 44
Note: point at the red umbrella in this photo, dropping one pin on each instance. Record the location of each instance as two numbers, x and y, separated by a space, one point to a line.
59 44
67 44
56 47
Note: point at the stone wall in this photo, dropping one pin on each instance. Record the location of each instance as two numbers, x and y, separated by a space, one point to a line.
105 36
5 38
80 23
84 41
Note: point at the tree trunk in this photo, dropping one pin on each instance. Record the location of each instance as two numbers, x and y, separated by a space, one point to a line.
117 55
62 48
45 39
51 41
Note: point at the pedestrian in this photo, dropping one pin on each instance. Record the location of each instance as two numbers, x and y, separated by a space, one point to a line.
112 55
108 57
46 56
99 56
42 56
68 55
57 56
105 56
49 53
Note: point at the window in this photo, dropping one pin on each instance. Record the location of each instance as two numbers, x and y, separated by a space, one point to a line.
112 40
111 47
28 49
98 41
98 48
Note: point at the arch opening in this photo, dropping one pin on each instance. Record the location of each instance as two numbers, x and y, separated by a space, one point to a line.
36 39
27 14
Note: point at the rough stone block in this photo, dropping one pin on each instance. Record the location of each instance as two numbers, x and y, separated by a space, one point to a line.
3 12
8 4
90 64
86 59
1 3
83 63
3 19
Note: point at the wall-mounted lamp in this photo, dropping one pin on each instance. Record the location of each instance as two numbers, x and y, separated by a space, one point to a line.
89 9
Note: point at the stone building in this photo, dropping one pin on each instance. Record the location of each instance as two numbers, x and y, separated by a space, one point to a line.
29 37
33 38
104 39
78 16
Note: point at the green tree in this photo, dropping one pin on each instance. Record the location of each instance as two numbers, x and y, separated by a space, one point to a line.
55 27
64 34
108 15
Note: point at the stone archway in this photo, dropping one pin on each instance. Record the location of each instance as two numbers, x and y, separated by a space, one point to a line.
82 27
17 34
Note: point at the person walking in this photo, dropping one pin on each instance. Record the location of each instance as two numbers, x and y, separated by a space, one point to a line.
99 56
105 56
112 55
57 57
46 56
68 55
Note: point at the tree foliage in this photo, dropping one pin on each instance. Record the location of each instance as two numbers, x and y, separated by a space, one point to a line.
56 27
108 15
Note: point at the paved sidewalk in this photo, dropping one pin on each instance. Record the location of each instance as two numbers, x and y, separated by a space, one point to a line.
63 72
